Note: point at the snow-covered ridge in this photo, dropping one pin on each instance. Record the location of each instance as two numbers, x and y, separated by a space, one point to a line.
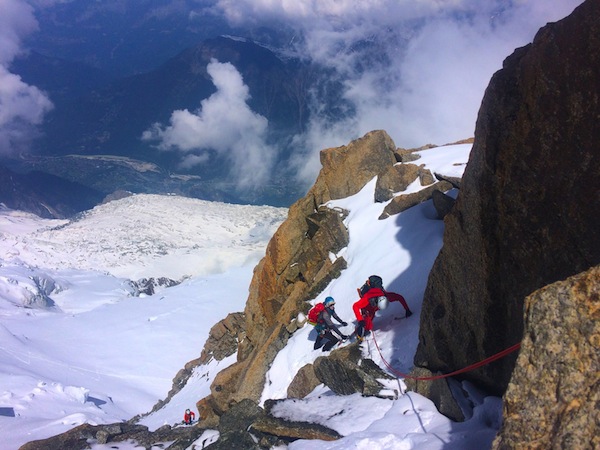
101 355
143 236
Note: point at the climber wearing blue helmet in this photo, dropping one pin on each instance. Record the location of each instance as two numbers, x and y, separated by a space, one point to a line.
322 314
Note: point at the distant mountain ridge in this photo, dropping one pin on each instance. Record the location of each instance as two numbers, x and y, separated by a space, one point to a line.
110 118
44 194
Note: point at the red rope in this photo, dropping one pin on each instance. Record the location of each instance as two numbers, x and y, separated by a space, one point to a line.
492 358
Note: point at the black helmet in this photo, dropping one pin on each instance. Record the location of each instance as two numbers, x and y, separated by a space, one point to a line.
375 281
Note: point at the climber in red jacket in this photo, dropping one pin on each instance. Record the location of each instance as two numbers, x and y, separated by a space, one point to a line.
373 297
188 417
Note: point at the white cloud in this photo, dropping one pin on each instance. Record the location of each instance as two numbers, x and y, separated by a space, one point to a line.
16 21
336 12
224 123
417 69
21 106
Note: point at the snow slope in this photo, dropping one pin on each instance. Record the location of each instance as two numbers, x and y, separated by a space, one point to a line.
96 354
145 236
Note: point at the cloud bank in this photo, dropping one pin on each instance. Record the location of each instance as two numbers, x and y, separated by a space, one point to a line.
224 123
22 106
417 69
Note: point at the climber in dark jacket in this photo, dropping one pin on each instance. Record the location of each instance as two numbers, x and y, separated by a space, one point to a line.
325 327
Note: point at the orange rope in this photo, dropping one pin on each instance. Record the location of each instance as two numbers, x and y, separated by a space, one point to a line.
492 358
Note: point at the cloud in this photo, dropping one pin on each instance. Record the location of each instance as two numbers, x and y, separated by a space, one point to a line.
22 106
417 69
224 123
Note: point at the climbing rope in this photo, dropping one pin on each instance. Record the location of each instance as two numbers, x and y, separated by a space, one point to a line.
492 358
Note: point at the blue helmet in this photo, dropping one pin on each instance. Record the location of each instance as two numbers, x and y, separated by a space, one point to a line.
329 301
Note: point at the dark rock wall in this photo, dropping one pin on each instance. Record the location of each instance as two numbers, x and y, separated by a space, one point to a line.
528 209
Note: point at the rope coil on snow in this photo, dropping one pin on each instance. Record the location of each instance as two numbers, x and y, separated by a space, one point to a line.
477 365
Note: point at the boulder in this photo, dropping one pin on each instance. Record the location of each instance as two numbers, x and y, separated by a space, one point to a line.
395 179
240 416
527 211
207 418
425 176
438 391
552 398
347 169
234 425
305 381
287 431
345 372
403 202
454 181
442 203
403 155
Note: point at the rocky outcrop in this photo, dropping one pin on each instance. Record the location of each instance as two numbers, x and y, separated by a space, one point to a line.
248 426
222 342
149 286
224 337
552 399
527 212
345 372
297 265
83 436
288 431
395 179
454 181
403 202
243 426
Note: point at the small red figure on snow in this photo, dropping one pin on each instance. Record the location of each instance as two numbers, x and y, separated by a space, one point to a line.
188 417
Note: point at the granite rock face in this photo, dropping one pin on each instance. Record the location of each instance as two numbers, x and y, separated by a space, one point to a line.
559 353
298 264
527 211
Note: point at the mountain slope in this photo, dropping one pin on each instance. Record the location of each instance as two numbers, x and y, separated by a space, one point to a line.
149 339
149 236
45 194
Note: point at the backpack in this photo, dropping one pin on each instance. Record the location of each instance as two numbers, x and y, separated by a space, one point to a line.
315 311
374 281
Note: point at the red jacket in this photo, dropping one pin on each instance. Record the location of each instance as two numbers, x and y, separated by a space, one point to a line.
364 308
188 417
